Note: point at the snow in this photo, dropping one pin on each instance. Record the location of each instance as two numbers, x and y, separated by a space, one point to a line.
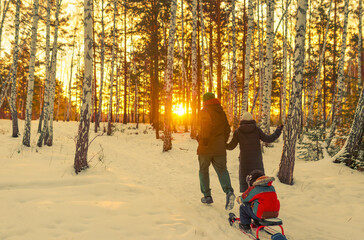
133 190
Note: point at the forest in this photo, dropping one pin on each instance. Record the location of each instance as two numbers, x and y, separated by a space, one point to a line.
297 63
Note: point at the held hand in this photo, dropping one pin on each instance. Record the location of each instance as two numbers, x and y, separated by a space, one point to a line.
238 199
280 127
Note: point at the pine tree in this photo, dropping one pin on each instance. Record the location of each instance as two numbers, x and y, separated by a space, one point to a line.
286 166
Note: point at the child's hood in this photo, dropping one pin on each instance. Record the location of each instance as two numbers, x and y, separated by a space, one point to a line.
264 181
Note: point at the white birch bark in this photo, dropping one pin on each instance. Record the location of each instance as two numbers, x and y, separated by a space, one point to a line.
167 140
317 85
340 79
261 63
14 111
47 131
29 101
284 84
82 144
244 106
356 132
194 68
292 126
268 76
360 43
109 116
5 10
70 81
235 85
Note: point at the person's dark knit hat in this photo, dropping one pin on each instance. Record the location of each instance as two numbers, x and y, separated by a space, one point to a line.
207 96
253 176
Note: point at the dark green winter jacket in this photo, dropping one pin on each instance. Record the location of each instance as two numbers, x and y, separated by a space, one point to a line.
213 129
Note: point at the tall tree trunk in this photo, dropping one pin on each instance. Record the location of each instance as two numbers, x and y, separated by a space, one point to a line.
286 166
48 129
360 80
29 101
99 113
14 111
82 144
356 132
109 116
69 105
218 46
125 117
5 10
203 31
249 38
317 85
194 68
268 76
261 60
235 85
284 85
340 79
167 141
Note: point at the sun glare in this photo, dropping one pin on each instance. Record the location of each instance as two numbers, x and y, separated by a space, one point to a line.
179 109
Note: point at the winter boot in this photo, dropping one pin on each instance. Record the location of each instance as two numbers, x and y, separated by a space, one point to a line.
230 197
207 200
245 227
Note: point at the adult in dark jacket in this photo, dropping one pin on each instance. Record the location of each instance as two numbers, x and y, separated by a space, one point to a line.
213 133
248 135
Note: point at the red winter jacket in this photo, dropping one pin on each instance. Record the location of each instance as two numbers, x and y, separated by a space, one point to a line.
263 198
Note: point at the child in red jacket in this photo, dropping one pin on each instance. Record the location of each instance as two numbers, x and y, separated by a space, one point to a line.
259 201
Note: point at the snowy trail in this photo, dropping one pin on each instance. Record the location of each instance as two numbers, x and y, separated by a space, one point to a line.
139 192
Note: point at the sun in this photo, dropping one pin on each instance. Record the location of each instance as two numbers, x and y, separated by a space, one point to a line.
179 109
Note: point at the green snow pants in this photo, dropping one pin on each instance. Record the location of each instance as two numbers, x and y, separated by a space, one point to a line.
219 164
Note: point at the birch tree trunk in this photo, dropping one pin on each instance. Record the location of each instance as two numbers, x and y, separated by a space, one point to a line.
29 101
292 127
340 79
356 132
284 85
70 81
49 92
235 85
14 111
317 85
98 118
268 76
360 81
49 136
5 10
194 68
82 144
249 38
167 141
109 116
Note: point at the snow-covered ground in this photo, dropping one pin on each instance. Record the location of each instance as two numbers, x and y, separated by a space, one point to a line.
133 190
